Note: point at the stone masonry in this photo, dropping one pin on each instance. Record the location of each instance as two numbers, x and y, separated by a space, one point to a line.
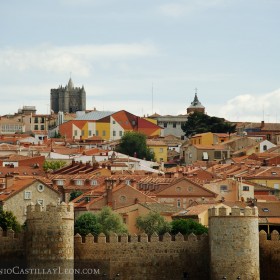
233 249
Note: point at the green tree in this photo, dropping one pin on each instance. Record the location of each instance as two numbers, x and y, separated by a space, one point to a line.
9 221
187 226
53 165
110 221
153 222
105 221
134 144
87 223
74 194
199 122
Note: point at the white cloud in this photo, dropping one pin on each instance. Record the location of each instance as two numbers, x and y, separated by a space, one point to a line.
62 59
250 107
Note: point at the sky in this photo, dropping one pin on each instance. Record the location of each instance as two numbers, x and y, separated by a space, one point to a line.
144 56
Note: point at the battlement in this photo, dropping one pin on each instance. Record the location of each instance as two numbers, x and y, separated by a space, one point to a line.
11 243
274 236
59 211
10 234
233 212
143 238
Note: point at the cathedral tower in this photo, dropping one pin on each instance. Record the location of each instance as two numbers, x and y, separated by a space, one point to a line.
68 99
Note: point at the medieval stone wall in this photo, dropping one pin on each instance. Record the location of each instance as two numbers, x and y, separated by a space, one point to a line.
269 255
138 257
234 248
11 245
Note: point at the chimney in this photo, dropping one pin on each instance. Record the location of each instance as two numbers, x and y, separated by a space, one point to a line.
110 184
169 174
262 124
9 180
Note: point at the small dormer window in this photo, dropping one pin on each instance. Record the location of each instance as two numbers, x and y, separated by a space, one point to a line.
93 182
265 209
79 182
59 182
273 173
127 182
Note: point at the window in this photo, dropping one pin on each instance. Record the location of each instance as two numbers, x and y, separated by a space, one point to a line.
83 133
40 188
120 133
27 195
190 189
127 182
103 133
264 147
161 150
42 127
35 127
40 201
165 124
178 202
122 198
79 182
42 120
223 188
265 209
114 133
218 154
246 188
96 133
89 133
174 125
268 137
178 189
114 122
36 120
75 132
93 183
60 182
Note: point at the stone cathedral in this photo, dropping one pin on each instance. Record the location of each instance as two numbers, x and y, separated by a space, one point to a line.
68 99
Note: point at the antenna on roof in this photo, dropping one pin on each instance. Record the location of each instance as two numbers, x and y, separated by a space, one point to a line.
152 97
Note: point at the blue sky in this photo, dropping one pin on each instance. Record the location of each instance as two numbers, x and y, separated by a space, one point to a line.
144 56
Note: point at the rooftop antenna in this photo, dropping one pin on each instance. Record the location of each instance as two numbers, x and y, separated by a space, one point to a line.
152 97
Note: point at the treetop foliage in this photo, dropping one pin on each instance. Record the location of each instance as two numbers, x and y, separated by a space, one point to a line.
187 226
134 144
152 222
105 221
9 221
53 165
199 122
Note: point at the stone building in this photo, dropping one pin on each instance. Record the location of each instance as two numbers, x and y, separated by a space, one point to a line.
68 99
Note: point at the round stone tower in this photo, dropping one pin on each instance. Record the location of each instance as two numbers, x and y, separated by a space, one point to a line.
50 241
234 243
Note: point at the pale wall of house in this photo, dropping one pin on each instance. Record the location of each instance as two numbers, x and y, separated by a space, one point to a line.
17 203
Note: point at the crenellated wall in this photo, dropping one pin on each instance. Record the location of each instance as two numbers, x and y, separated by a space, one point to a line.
233 248
140 257
11 245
